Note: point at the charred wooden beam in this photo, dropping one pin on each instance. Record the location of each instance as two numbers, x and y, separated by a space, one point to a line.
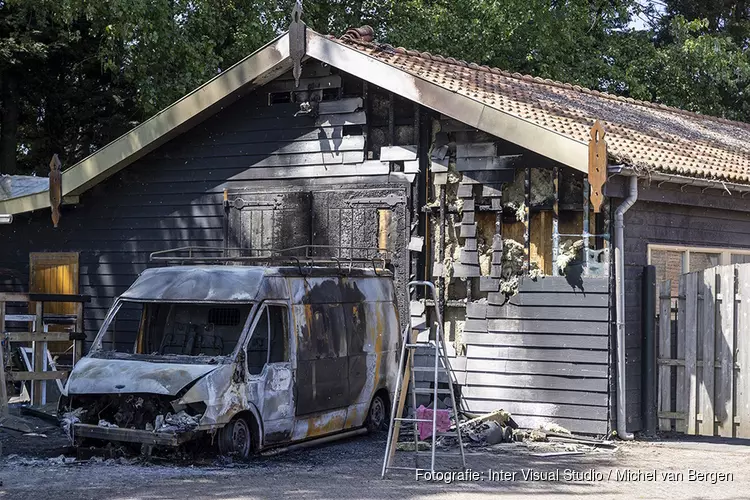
555 220
586 190
365 126
391 119
527 220
423 129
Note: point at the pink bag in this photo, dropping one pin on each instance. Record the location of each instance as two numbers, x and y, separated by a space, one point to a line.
425 428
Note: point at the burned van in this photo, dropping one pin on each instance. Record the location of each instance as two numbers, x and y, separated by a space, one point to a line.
253 357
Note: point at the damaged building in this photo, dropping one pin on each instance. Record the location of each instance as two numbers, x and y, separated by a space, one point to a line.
489 183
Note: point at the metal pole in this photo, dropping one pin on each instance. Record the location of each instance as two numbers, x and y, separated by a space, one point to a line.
622 431
648 311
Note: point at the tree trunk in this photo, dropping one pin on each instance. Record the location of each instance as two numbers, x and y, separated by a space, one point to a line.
9 125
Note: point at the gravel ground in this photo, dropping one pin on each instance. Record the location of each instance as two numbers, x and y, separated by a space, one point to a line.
351 469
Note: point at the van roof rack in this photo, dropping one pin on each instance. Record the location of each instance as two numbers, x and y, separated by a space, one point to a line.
305 256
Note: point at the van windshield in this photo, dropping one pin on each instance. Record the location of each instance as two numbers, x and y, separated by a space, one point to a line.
177 329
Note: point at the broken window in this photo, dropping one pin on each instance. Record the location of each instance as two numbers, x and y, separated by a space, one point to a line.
175 329
269 338
121 332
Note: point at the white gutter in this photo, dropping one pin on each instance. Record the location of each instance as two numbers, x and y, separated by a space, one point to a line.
622 432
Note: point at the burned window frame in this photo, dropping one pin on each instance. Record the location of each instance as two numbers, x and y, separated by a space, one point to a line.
257 314
97 348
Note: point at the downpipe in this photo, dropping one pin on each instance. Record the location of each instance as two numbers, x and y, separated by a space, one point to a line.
622 432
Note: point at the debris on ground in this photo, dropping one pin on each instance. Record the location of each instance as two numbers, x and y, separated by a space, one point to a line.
46 412
14 423
549 427
104 423
409 446
42 439
69 419
557 454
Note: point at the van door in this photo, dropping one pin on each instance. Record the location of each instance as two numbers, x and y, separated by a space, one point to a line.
270 371
322 381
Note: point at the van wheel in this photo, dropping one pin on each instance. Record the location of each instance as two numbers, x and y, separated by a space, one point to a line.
376 416
236 439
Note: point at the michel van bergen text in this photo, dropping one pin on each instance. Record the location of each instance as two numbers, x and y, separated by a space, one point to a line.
573 475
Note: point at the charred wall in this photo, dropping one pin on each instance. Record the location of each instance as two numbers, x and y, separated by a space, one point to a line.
523 337
291 178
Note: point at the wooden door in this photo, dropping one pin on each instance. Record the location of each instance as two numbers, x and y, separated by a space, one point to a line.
55 272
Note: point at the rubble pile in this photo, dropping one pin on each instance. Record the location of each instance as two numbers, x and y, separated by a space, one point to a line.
497 427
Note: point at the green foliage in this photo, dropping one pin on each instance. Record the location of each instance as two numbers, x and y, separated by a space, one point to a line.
91 69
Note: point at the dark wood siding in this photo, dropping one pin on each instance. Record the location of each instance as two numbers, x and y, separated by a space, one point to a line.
174 195
669 215
543 355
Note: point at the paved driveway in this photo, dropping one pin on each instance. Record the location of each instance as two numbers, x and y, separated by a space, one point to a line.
351 469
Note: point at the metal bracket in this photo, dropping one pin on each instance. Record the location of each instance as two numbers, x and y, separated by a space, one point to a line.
390 200
297 41
240 203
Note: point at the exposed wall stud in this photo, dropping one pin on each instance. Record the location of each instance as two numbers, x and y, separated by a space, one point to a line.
586 190
555 220
441 251
527 221
391 120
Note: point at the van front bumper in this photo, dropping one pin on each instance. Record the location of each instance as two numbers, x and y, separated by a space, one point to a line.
132 435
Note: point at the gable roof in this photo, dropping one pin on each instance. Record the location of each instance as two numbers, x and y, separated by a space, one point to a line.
550 118
642 134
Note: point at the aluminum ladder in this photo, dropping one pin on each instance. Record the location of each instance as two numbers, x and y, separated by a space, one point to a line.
406 381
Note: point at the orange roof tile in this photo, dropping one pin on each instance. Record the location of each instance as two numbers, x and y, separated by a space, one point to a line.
641 134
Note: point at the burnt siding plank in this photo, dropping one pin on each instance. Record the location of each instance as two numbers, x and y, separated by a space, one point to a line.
512 311
537 354
548 326
348 143
583 398
536 340
543 354
557 298
563 285
538 381
536 368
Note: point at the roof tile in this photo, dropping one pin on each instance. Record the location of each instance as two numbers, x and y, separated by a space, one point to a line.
643 134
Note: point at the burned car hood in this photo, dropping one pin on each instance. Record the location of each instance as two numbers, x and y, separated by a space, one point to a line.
114 376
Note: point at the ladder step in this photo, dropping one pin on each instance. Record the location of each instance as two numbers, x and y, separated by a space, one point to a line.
431 391
429 369
404 419
422 345
440 453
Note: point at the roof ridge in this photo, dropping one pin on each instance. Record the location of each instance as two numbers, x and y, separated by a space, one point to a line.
365 36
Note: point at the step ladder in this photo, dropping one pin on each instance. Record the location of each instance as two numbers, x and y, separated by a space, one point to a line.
406 383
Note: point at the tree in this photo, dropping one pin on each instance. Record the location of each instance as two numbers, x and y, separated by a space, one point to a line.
75 74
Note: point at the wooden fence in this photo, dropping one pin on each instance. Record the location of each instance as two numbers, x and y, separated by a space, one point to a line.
704 353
